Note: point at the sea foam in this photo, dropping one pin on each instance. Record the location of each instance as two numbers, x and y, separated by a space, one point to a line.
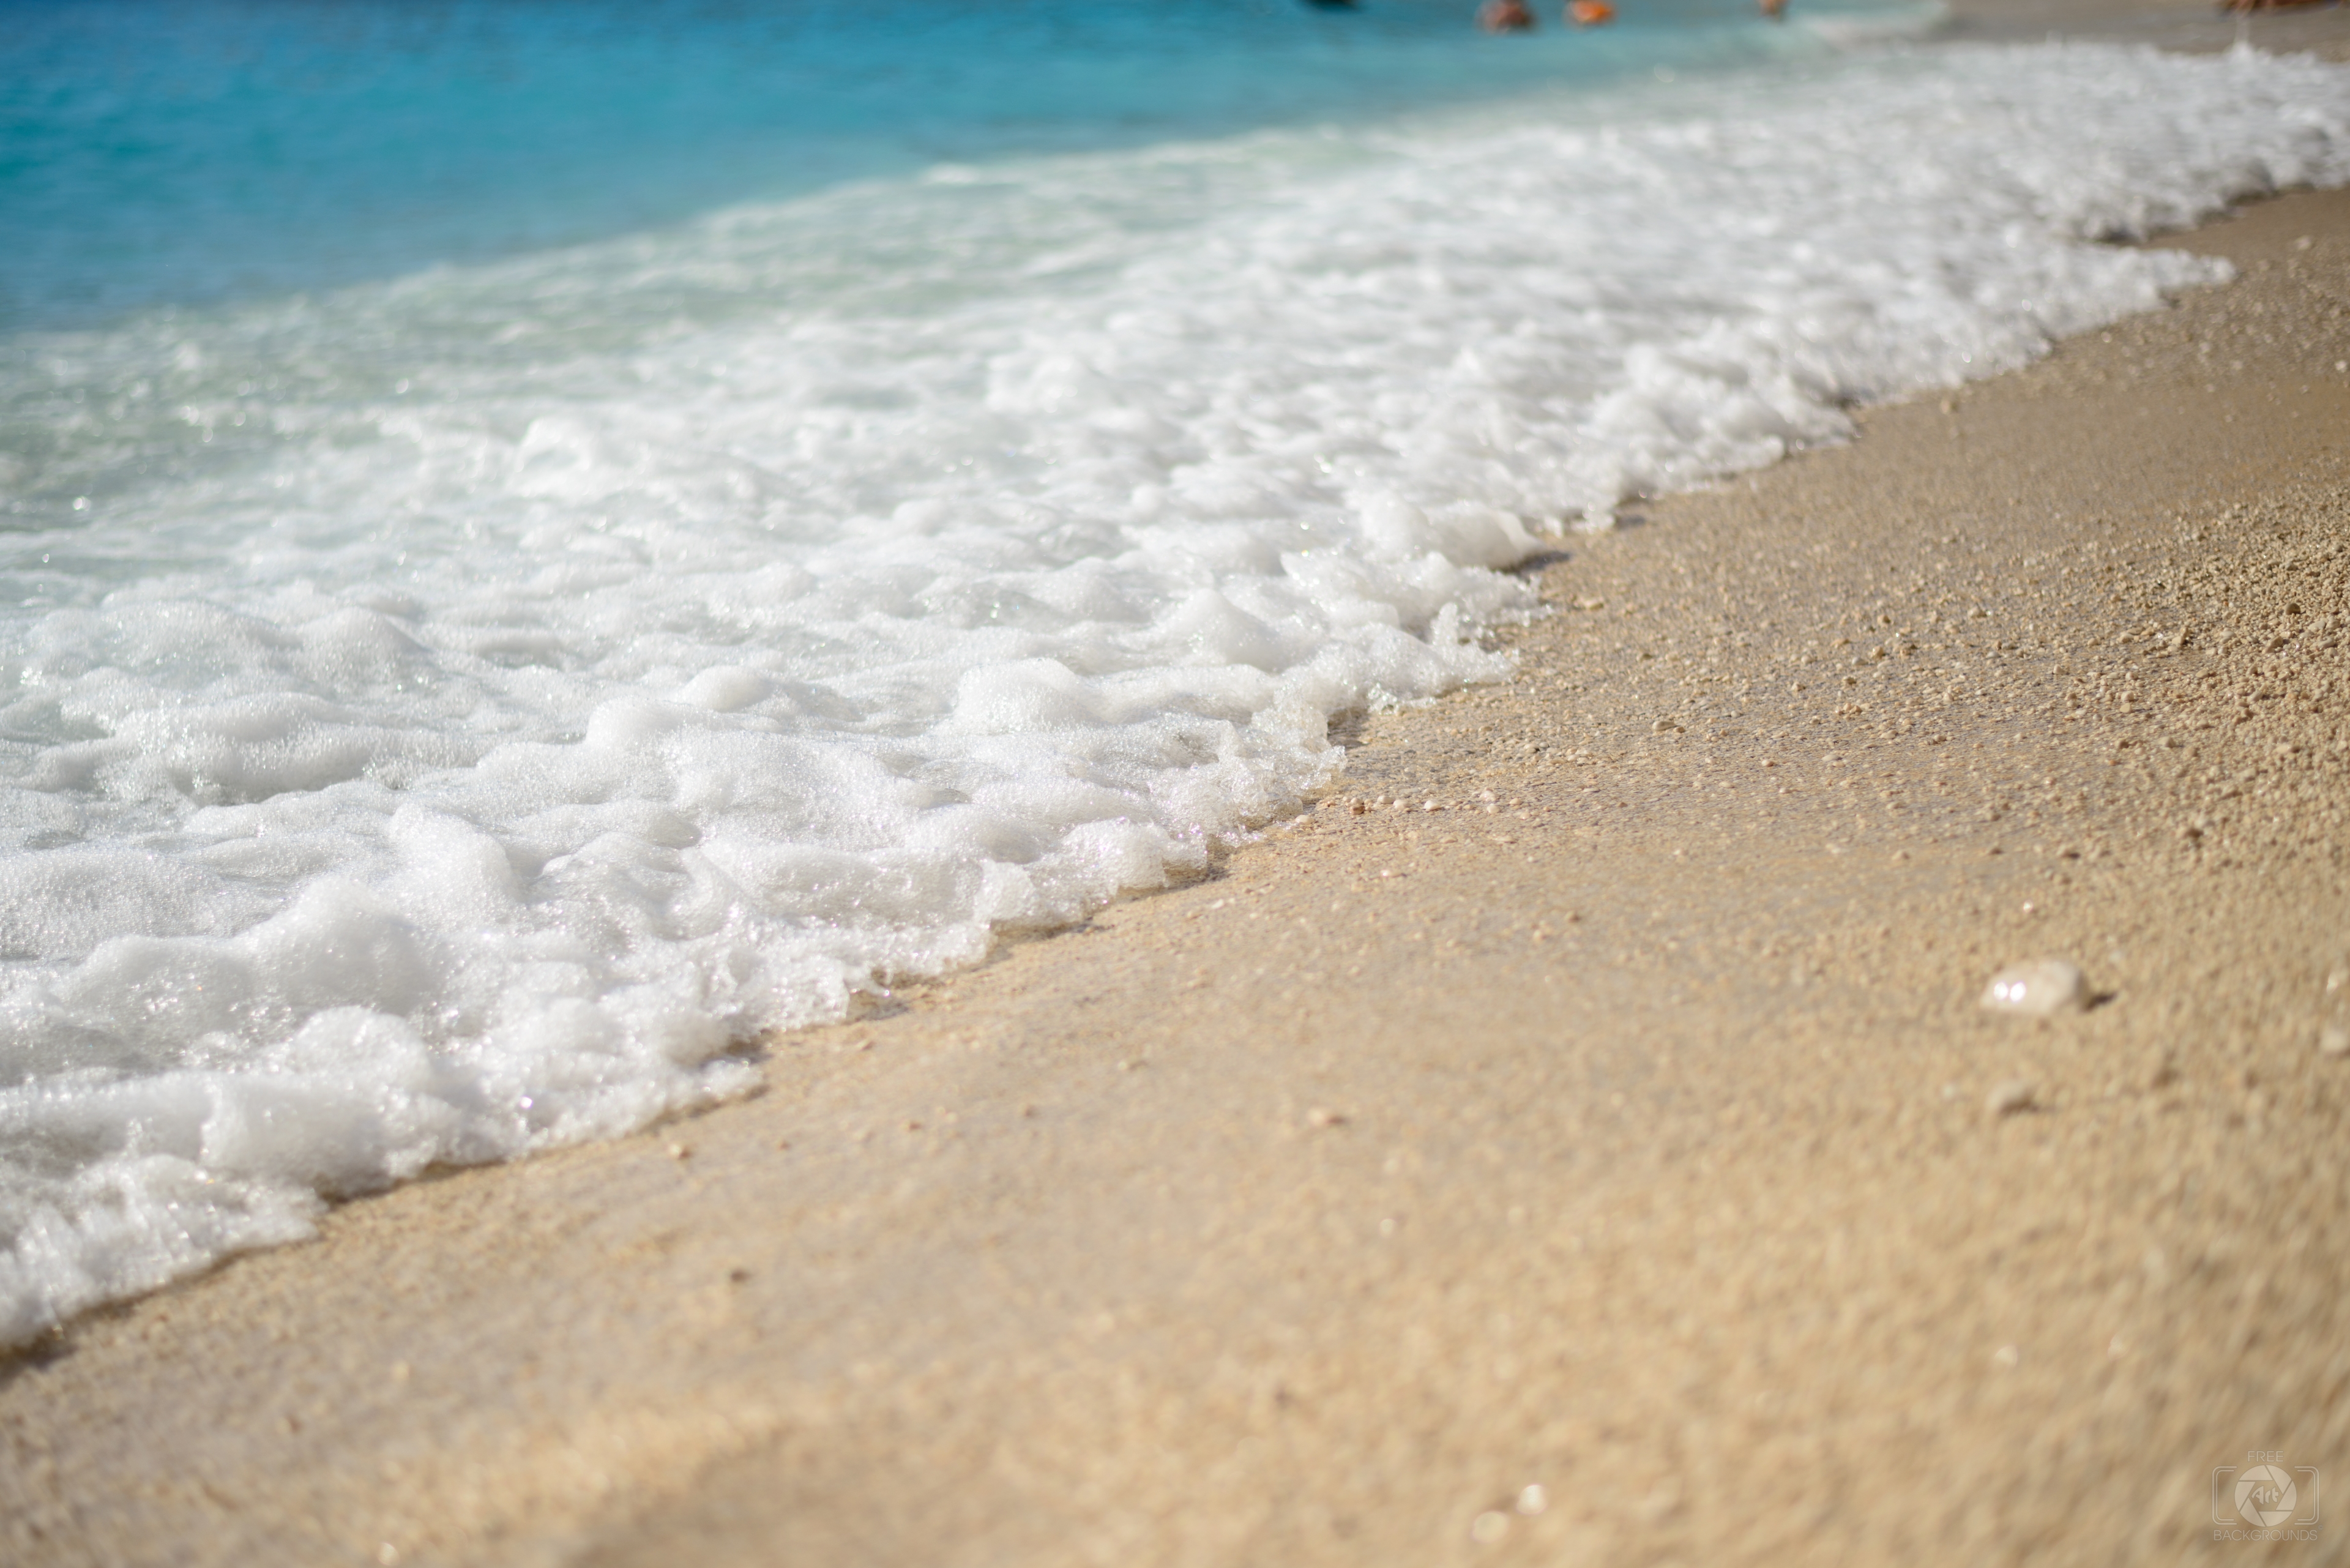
452 717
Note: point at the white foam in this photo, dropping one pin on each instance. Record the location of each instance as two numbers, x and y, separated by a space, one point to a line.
466 707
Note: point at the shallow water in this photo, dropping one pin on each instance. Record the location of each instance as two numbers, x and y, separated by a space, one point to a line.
171 151
446 714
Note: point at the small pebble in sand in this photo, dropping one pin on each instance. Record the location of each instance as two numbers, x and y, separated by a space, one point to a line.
2333 1040
1489 1527
1533 1501
1323 1117
2036 990
2008 1099
681 1151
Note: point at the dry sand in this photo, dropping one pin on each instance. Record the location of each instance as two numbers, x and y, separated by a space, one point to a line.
1638 1140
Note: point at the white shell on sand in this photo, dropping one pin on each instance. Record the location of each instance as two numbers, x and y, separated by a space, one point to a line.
2013 1096
2036 989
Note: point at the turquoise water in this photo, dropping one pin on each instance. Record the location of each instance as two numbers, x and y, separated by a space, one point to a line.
178 152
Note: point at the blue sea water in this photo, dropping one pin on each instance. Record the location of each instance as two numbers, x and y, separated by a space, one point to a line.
176 151
542 542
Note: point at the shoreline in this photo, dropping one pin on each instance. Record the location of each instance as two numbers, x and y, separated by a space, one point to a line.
2189 27
1291 1239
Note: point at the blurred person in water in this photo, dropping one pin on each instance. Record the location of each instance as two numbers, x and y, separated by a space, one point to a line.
1505 17
1774 10
1590 13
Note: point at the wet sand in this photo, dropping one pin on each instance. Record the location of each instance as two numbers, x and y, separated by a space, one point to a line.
1618 1169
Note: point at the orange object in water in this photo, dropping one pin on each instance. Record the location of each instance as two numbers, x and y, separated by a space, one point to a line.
1589 12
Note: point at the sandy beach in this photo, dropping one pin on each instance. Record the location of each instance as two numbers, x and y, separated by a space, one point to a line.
1577 1138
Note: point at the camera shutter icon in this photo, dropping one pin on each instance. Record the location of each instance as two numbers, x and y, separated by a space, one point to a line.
2266 1495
